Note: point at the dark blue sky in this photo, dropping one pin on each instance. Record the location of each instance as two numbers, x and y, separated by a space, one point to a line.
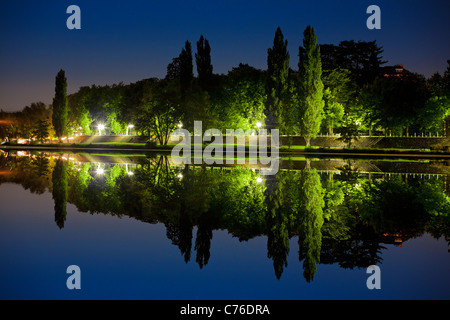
131 40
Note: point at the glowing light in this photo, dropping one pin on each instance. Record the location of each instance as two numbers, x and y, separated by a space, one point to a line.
259 124
100 171
100 128
180 125
21 141
130 173
180 176
259 179
129 127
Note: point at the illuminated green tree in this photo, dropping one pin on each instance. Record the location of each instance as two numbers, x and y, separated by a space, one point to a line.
41 130
60 105
333 111
310 104
243 101
277 81
113 124
160 111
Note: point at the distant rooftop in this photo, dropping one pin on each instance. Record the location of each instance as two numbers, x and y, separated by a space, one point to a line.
397 71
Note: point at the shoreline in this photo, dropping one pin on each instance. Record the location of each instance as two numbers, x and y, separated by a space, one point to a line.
283 152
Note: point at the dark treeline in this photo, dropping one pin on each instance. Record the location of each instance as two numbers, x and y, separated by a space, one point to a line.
344 219
335 89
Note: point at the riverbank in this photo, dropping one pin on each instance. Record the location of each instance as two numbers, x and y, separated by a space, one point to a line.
284 151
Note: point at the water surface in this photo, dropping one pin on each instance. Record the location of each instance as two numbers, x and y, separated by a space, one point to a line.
141 228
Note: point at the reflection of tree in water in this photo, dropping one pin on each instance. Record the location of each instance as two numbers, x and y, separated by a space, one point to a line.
185 196
343 220
295 206
277 221
180 232
310 221
203 240
349 172
22 170
59 192
40 164
361 250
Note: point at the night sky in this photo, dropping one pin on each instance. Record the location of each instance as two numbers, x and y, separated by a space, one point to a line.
126 41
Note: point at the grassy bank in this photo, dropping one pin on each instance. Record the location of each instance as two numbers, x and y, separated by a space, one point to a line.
283 150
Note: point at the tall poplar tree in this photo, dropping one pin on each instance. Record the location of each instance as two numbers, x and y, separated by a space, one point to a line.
203 61
311 102
186 68
276 81
60 105
59 192
310 221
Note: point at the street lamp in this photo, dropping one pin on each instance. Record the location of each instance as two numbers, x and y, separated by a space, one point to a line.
129 127
180 125
100 128
259 125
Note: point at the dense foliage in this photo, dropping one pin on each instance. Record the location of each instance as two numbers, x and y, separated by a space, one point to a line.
336 89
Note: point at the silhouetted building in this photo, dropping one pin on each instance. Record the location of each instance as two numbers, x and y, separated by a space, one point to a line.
397 71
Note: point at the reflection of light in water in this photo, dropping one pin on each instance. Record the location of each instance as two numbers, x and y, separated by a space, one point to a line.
100 170
128 172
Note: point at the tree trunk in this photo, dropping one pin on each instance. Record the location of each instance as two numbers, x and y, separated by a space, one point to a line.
308 164
308 142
